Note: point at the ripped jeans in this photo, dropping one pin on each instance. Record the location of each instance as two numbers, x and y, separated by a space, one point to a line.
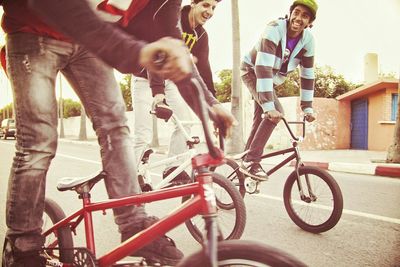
33 63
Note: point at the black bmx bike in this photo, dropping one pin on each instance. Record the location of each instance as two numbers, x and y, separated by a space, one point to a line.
312 197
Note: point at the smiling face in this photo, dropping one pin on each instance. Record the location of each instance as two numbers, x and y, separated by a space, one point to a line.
201 12
300 18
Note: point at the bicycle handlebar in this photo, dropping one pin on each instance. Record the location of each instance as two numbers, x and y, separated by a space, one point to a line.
295 122
204 115
159 60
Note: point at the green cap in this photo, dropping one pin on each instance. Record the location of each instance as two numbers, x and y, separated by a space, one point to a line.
311 4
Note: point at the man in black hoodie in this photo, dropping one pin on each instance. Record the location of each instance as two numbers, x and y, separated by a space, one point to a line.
193 17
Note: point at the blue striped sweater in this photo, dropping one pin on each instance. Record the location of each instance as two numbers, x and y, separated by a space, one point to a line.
266 60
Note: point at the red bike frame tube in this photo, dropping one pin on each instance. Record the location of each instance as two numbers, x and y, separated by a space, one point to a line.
189 209
167 193
203 203
88 224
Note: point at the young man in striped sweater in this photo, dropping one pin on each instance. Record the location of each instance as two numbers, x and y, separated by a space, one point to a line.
284 45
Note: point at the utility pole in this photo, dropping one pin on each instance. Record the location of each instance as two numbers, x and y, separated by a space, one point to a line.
82 131
61 110
236 144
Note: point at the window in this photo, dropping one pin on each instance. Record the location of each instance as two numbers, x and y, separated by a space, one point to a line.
394 106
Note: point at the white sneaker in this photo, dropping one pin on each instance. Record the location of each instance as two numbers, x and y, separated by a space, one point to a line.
253 170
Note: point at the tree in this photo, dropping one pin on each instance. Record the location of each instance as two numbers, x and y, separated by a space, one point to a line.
327 84
61 111
224 88
393 155
236 143
71 108
7 111
125 85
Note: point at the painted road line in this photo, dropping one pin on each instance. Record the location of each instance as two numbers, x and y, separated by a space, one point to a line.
345 211
80 159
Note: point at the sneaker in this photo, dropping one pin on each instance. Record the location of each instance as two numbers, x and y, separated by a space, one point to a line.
13 258
161 251
253 170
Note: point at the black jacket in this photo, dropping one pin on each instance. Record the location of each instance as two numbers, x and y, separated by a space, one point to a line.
198 47
117 46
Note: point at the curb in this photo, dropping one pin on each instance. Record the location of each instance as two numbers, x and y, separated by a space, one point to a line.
388 169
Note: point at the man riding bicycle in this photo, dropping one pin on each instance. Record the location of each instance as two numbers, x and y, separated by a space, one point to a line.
284 45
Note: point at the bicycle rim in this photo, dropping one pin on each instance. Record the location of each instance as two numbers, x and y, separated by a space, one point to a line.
235 253
323 204
231 222
230 170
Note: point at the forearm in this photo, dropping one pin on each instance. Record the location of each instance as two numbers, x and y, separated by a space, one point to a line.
157 83
75 19
307 83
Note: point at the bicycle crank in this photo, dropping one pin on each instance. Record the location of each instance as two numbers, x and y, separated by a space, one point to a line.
84 258
251 186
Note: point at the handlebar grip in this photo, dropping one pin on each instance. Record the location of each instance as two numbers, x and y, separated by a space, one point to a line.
159 59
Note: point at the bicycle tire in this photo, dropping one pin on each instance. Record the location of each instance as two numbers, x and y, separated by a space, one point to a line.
244 253
328 205
64 238
224 216
230 170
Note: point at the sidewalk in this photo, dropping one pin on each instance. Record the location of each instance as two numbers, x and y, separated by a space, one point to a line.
351 161
346 160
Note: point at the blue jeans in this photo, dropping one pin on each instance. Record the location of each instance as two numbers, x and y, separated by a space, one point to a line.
33 64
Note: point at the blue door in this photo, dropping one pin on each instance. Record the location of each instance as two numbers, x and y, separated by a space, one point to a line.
359 124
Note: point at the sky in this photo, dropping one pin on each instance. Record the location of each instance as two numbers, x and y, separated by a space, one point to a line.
344 30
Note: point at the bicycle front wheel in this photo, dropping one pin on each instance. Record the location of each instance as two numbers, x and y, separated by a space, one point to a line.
244 253
320 207
231 222
230 170
58 246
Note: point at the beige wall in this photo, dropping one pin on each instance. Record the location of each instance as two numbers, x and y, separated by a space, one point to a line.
380 128
320 134
344 124
331 130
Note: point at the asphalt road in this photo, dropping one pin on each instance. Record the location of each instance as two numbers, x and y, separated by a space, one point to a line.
368 233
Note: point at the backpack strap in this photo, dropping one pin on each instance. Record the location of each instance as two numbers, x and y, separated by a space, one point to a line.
127 9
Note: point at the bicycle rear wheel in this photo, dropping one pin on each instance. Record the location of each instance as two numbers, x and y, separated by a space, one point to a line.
58 246
230 170
231 222
321 207
244 253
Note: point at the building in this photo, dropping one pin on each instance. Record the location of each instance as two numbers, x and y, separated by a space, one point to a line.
368 115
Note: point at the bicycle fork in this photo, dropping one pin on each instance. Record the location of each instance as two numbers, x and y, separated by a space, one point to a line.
311 196
210 244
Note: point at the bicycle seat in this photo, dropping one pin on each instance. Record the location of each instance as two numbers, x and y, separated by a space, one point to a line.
146 155
71 183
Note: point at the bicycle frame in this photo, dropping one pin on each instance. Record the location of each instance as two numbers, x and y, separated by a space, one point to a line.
294 149
203 203
144 168
187 156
